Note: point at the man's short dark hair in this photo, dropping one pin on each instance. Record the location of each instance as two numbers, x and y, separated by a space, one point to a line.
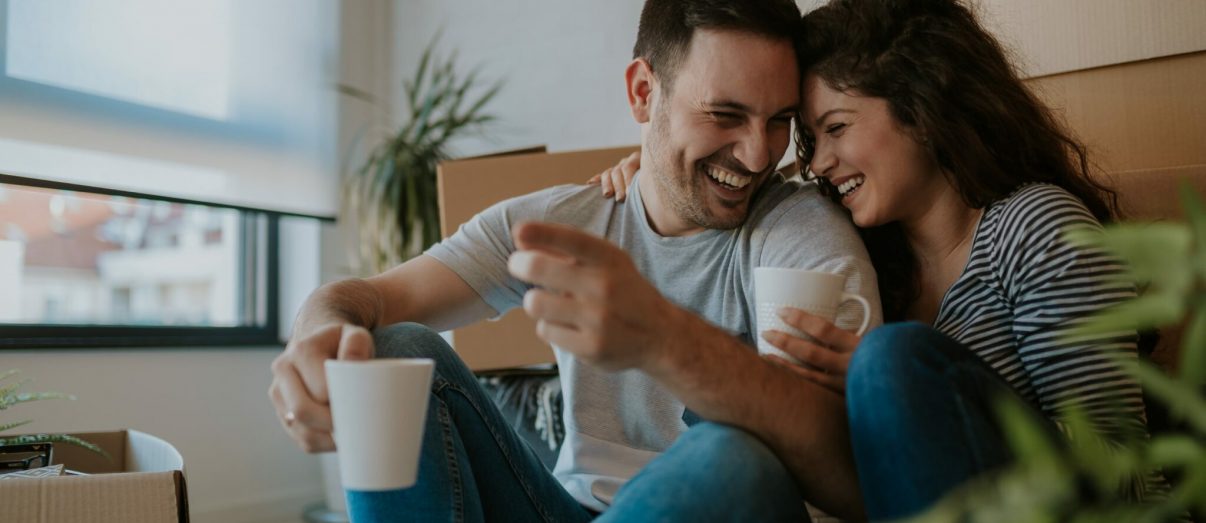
666 27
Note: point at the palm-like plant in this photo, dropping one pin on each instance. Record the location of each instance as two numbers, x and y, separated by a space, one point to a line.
10 395
393 193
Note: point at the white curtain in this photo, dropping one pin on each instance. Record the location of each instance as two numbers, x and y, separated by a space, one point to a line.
221 101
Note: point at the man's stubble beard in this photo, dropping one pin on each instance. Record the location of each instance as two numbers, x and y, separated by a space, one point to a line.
685 193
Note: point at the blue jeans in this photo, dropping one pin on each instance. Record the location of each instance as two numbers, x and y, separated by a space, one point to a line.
474 467
921 409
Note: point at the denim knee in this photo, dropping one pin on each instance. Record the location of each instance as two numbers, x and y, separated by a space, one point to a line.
414 340
887 351
734 452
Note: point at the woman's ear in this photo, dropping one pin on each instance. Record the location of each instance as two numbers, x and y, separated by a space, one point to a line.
641 84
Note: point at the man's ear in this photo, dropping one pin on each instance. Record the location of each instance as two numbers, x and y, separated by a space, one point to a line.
641 84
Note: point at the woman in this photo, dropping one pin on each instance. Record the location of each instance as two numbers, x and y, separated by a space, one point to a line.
962 184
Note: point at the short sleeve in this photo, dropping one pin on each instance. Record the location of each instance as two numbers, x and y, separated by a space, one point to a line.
478 251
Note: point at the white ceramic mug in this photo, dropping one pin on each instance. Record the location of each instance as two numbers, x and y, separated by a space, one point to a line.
379 408
818 293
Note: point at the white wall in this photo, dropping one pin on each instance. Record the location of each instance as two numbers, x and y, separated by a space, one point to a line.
562 62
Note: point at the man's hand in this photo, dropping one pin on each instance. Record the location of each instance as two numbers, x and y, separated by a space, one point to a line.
590 299
299 381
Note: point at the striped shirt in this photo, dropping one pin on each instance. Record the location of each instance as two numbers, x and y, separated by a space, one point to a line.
1023 286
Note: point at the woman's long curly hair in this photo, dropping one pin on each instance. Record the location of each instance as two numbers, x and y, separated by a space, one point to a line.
946 79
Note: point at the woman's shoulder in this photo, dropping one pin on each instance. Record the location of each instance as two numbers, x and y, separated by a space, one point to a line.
1034 197
1038 208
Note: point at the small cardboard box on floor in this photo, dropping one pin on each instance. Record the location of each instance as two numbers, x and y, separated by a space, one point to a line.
144 483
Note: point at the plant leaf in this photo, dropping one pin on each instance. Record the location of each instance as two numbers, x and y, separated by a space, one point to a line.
1193 348
1191 201
1174 450
11 388
11 426
1025 433
24 397
1154 252
1154 309
1184 400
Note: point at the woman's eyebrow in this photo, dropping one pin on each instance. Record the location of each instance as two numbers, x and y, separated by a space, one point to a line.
828 113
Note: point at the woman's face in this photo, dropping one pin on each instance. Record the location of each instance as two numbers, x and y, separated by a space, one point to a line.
880 169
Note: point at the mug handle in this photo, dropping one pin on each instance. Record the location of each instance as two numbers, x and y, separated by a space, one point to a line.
866 310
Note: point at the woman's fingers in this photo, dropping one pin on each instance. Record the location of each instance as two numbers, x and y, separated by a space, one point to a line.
822 330
807 352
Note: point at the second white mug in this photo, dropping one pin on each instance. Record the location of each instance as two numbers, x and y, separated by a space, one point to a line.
816 292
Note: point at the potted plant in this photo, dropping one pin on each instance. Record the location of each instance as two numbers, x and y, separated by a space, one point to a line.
392 195
1087 477
11 394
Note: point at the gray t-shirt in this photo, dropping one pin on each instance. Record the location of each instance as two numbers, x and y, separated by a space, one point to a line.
616 422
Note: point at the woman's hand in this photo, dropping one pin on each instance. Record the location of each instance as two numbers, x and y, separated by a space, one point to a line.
615 180
824 359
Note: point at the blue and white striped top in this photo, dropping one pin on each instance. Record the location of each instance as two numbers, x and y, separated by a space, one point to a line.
1023 287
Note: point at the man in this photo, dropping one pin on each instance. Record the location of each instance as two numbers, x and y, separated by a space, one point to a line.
714 86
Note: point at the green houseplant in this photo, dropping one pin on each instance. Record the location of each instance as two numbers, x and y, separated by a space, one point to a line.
11 394
1086 477
392 194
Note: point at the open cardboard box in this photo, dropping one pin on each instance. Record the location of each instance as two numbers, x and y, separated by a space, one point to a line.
143 484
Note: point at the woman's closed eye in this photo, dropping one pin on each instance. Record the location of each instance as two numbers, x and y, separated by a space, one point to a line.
835 129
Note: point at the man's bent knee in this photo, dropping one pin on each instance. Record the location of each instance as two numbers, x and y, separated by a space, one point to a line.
731 449
409 340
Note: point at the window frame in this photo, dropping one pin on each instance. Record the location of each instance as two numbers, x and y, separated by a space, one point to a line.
24 336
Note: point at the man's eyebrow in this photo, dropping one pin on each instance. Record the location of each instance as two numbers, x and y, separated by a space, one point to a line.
829 112
742 108
728 105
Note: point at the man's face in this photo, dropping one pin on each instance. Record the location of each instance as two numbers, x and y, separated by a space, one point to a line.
718 132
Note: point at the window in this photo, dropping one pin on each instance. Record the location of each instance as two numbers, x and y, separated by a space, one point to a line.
81 268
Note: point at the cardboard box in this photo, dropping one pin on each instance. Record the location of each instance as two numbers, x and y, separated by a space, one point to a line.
143 484
467 187
1139 115
1058 36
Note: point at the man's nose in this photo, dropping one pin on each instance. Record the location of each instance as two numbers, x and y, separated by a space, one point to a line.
753 151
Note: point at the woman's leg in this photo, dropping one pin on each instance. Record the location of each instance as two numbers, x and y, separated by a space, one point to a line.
473 466
713 472
922 418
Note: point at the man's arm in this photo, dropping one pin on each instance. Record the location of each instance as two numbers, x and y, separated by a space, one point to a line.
720 379
592 301
334 322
